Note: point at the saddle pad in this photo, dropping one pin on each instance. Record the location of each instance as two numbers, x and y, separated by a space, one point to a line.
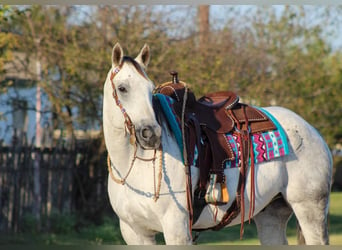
266 146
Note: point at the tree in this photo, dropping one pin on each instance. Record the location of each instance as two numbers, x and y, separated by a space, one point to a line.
203 25
264 55
269 58
8 41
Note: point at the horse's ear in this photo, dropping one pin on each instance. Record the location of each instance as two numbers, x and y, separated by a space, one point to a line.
117 55
144 57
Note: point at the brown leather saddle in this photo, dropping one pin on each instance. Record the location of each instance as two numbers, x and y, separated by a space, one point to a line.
208 120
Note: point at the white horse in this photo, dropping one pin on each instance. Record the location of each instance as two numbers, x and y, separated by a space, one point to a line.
303 178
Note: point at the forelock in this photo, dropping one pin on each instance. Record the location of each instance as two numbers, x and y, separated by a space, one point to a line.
130 60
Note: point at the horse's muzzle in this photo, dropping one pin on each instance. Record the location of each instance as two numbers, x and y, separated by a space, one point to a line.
149 136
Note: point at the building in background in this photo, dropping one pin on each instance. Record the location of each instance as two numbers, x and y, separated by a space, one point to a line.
20 104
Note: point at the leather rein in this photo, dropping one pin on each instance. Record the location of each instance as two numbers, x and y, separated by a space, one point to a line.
130 128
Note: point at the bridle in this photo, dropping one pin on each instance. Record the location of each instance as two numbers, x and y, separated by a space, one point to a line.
130 127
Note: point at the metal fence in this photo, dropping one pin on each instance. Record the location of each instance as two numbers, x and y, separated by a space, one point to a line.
36 183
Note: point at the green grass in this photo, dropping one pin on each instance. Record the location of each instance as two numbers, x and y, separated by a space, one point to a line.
335 218
108 233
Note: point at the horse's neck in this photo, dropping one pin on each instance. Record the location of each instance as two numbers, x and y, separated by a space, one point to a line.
118 147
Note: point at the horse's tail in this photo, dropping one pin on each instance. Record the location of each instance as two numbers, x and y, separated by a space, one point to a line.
300 236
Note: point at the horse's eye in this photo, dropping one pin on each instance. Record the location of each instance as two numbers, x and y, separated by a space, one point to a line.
122 89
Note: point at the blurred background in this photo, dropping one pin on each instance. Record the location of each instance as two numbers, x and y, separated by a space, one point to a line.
53 64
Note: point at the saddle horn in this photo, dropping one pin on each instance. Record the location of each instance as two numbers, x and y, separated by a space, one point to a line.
174 77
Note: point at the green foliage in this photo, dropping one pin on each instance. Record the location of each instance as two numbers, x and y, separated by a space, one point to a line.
273 59
8 42
300 77
70 229
62 223
269 57
107 233
29 223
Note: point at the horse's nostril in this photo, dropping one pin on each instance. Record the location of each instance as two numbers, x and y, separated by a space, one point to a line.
149 136
146 133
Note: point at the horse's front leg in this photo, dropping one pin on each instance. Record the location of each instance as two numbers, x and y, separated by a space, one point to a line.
176 230
134 236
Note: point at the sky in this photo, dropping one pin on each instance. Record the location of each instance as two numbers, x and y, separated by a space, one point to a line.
220 13
333 30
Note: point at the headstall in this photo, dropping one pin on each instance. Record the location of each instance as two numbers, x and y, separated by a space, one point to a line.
128 122
133 141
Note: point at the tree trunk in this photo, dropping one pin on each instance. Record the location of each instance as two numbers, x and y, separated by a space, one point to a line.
203 22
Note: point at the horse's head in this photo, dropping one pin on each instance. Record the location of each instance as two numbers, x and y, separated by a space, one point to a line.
130 97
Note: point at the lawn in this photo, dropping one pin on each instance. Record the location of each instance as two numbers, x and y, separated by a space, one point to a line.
108 233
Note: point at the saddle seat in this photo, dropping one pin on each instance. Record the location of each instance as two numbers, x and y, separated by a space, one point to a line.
212 110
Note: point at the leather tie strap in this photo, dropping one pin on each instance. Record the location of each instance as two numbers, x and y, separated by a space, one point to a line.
238 205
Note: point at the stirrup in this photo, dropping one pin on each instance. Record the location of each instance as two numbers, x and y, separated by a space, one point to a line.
217 193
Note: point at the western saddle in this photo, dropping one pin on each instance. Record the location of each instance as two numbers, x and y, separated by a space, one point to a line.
205 123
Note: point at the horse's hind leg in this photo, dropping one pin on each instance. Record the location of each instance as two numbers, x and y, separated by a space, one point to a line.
271 222
308 191
312 218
